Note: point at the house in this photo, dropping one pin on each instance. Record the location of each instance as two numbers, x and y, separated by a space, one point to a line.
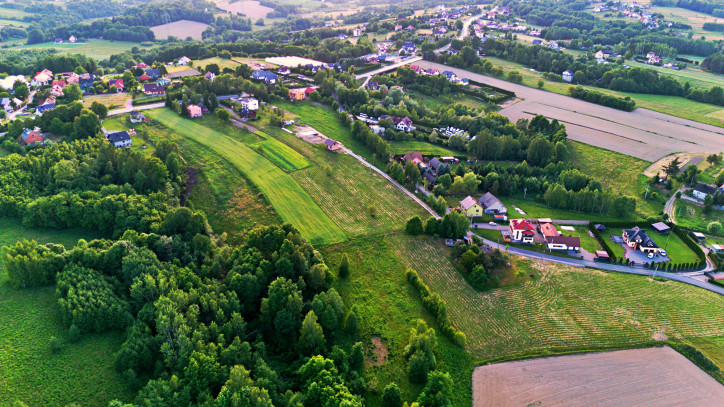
699 236
450 74
137 117
58 40
377 129
41 79
194 111
491 15
432 72
284 70
537 42
249 104
356 32
549 230
717 248
269 78
116 83
398 27
409 47
636 238
434 164
210 76
661 227
144 78
163 82
297 94
417 69
44 107
471 208
522 230
403 124
567 76
31 136
332 145
153 89
309 90
153 73
491 204
72 38
56 91
702 190
141 65
5 102
86 81
183 61
120 139
62 84
415 157
568 243
429 177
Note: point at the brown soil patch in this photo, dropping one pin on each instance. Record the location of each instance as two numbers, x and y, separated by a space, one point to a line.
379 352
636 377
659 165
309 134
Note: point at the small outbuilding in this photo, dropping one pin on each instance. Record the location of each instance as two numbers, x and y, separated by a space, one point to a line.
699 236
661 227
332 145
599 227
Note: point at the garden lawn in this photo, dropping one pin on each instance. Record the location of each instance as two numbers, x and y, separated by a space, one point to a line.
692 216
534 209
278 153
291 202
407 146
113 124
232 204
676 249
81 372
561 309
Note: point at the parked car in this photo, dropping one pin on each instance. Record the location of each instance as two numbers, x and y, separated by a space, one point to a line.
651 255
492 224
663 252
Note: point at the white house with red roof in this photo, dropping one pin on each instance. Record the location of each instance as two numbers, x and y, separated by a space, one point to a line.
522 230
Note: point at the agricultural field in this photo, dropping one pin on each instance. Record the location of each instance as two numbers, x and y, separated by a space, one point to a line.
712 347
278 153
233 211
180 29
561 308
111 100
81 372
693 18
290 201
92 48
6 22
250 9
691 216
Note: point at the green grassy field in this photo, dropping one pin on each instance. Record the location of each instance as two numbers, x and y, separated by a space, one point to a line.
692 216
111 100
113 124
406 146
290 201
278 153
81 372
534 209
8 22
233 205
677 251
93 48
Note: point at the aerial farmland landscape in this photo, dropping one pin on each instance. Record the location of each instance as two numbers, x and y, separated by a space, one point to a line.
384 203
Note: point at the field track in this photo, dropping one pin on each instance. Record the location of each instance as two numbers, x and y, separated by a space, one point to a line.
642 133
292 203
636 377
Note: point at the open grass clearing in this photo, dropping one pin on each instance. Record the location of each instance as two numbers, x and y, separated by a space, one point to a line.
81 372
407 146
535 209
113 124
180 29
92 48
278 153
233 205
711 347
562 308
111 100
290 201
251 9
13 23
692 216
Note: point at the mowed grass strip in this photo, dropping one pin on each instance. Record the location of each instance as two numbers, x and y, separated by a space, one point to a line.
81 373
291 202
561 308
280 154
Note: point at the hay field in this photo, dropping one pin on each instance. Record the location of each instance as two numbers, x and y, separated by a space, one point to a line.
636 377
562 308
180 29
92 48
251 9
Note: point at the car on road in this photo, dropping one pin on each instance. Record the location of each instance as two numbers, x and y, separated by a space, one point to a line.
492 224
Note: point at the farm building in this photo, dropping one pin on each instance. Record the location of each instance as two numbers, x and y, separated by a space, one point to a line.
661 227
120 139
31 136
717 248
699 236
471 207
569 243
491 204
194 111
332 145
522 230
636 238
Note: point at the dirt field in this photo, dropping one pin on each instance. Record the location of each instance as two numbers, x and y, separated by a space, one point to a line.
309 134
642 133
249 8
637 377
180 29
292 61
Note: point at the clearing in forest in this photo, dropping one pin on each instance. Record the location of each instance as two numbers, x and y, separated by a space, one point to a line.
179 29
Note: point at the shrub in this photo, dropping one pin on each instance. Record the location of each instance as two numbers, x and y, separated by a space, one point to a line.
414 226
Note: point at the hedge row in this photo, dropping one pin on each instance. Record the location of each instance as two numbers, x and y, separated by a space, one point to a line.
437 307
625 104
148 101
367 68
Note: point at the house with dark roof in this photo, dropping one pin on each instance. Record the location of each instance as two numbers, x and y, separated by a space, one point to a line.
403 124
120 139
566 243
332 145
449 74
434 164
702 190
153 73
153 89
409 47
137 117
44 108
269 78
636 238
491 204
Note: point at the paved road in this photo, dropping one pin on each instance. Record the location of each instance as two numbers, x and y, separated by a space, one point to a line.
128 109
642 133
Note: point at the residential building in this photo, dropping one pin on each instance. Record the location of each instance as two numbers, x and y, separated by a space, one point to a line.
137 117
636 238
471 208
31 136
297 94
249 104
183 61
116 83
153 73
210 76
332 145
194 111
120 139
549 230
415 157
153 89
72 38
284 70
702 190
522 230
41 78
269 78
44 107
403 124
398 27
434 164
141 65
163 82
449 74
567 76
491 204
567 243
356 32
409 47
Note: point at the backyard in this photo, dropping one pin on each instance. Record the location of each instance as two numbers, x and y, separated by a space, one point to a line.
675 248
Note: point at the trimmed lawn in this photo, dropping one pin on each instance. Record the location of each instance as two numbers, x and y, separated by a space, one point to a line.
407 146
534 209
291 202
677 251
201 63
278 153
588 242
114 124
233 205
692 216
81 372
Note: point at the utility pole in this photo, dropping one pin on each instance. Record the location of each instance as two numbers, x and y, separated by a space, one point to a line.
524 192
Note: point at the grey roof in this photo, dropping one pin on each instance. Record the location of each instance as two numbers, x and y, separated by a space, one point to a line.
704 188
434 163
330 142
639 236
489 200
118 137
660 226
